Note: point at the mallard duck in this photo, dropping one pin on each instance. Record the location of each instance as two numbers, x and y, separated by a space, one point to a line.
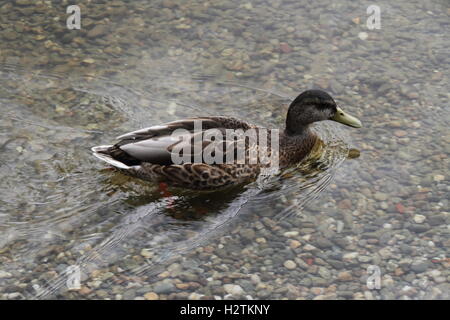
148 153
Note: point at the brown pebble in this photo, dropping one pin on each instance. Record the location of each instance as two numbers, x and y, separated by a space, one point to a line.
398 271
151 296
182 286
345 204
285 48
208 249
84 290
400 133
345 276
294 244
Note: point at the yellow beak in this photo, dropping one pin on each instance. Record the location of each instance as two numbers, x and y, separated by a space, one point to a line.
346 119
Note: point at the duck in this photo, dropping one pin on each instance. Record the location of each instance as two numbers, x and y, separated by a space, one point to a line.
167 153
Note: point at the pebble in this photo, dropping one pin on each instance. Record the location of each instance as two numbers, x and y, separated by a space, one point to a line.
146 253
435 273
323 243
233 289
285 48
247 234
419 267
97 31
151 296
381 196
289 264
419 228
350 255
363 35
418 218
384 253
89 61
400 133
364 259
290 234
387 281
317 290
324 273
294 244
255 279
309 247
102 293
4 274
84 290
10 35
24 2
345 276
14 295
164 288
247 6
345 204
368 295
195 296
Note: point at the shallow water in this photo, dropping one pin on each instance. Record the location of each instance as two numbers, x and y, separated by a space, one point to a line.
311 233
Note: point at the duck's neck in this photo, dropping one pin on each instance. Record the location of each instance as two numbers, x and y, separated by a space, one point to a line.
296 146
299 133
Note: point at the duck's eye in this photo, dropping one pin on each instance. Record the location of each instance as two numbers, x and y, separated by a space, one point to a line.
341 113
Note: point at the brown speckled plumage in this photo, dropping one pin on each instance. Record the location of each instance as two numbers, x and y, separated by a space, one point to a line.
146 153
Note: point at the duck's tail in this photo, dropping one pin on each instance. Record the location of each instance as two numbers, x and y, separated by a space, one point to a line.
104 153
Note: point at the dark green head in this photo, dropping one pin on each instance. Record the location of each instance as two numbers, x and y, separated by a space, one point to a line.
315 105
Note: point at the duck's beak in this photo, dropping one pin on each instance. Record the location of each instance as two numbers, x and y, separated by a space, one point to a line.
347 119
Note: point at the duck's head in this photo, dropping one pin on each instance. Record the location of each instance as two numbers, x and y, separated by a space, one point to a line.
315 105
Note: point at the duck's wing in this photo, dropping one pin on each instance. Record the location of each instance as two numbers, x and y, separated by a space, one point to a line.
187 124
157 144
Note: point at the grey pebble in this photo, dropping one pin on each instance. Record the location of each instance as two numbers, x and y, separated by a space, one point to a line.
164 287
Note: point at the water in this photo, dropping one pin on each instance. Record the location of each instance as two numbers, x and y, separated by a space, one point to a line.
333 217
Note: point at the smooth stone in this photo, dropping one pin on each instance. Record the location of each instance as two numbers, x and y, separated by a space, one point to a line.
290 234
363 35
419 267
146 253
418 218
4 274
294 244
309 247
350 255
129 294
289 264
164 288
323 243
151 296
97 31
381 196
247 234
255 278
233 289
336 263
345 276
419 228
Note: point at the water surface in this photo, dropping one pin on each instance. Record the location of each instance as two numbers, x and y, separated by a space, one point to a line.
310 233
